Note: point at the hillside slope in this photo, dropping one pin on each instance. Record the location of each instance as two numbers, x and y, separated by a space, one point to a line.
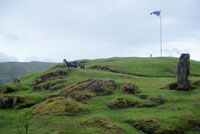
100 100
11 70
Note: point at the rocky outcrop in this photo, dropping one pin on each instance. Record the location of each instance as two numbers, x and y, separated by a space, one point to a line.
129 88
84 90
122 103
10 101
183 71
51 80
103 124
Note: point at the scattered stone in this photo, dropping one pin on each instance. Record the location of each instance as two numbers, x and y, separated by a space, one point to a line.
104 67
104 124
10 101
183 71
84 90
129 88
122 103
60 106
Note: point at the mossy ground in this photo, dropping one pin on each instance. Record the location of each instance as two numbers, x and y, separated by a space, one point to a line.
148 74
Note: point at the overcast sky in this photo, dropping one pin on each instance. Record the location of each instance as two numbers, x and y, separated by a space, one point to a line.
51 30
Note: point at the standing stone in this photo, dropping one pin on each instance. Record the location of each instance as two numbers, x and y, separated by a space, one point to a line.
183 71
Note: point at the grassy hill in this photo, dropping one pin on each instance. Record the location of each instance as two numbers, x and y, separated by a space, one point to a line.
12 70
89 110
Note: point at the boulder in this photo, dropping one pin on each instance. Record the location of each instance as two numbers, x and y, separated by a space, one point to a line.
194 125
129 88
183 71
10 101
158 99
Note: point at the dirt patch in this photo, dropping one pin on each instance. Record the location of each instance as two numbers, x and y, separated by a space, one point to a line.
84 90
60 106
102 123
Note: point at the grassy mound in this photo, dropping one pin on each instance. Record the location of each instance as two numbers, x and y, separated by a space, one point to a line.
84 90
60 106
160 67
104 124
8 88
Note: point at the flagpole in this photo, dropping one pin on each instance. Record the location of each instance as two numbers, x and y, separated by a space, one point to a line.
160 34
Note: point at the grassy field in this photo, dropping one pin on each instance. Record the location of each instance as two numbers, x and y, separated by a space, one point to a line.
149 74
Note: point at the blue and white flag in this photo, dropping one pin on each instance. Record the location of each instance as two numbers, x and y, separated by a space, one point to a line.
157 13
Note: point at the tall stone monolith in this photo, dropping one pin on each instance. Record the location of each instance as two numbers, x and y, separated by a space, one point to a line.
183 71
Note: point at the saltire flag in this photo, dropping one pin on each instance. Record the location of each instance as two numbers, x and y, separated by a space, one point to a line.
157 13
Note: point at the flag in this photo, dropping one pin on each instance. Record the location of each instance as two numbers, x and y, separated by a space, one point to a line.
157 13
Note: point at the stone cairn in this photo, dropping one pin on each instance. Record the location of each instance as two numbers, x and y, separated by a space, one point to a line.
183 71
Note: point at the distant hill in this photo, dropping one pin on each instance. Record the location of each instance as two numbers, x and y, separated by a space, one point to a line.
12 70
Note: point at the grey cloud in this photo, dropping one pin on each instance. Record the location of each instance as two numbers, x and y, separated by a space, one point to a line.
6 58
94 28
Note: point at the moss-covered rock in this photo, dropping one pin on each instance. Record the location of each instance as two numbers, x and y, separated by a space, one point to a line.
51 80
84 90
104 67
194 125
147 126
158 99
60 106
129 88
154 126
10 101
122 103
102 123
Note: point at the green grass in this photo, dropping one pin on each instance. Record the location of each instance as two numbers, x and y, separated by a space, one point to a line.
148 74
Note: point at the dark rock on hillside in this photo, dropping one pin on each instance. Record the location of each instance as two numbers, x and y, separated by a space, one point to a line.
183 71
51 80
12 88
129 103
194 125
122 103
147 126
101 123
129 88
153 127
197 83
85 90
8 101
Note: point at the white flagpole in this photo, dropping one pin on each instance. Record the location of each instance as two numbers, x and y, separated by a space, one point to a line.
160 34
